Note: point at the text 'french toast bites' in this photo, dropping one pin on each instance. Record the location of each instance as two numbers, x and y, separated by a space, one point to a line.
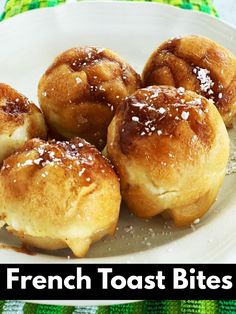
170 148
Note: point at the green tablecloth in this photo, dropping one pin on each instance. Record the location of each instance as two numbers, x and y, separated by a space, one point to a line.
12 8
146 307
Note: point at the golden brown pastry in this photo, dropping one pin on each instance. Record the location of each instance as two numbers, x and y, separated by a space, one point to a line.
81 90
198 64
170 148
59 194
20 120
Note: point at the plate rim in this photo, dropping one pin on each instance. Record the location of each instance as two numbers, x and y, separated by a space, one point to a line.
164 6
61 7
119 3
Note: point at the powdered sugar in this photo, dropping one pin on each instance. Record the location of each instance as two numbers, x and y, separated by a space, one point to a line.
78 80
185 115
135 119
162 110
206 83
181 91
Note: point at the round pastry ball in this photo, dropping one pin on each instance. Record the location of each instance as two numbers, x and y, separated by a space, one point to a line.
170 148
59 194
81 90
197 64
20 120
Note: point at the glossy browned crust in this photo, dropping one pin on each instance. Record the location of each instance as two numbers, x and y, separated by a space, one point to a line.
170 148
20 120
81 90
198 64
15 108
160 112
58 194
74 157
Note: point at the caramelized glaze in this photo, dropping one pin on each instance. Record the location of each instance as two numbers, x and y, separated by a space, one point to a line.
75 157
166 62
158 111
83 59
12 102
17 249
80 59
15 108
81 90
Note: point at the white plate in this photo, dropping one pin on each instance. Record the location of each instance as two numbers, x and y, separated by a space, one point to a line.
30 41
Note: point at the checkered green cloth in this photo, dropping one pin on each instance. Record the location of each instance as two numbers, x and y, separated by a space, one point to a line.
12 8
147 307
